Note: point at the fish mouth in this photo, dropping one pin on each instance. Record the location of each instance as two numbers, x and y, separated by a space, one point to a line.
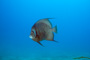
30 37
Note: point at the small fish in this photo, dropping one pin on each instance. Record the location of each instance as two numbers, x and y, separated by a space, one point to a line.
42 30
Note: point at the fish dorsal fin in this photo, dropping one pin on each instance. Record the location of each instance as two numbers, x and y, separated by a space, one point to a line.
46 21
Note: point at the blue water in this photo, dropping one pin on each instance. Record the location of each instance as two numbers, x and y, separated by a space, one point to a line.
17 17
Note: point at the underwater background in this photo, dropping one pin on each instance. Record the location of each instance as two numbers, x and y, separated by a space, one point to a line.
72 18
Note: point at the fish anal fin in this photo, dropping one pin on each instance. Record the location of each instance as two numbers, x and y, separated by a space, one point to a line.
52 40
55 41
50 36
49 39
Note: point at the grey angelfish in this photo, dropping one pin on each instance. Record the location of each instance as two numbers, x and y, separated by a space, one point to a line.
42 30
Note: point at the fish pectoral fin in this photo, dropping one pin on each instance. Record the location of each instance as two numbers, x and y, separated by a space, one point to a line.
40 44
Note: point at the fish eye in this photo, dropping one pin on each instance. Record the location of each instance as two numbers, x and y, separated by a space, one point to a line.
32 31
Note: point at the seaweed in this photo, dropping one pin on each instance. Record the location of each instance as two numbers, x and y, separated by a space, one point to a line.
81 57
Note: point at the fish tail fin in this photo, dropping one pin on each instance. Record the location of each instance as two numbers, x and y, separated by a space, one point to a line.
55 29
40 44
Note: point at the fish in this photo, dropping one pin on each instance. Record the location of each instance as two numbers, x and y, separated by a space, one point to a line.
42 30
